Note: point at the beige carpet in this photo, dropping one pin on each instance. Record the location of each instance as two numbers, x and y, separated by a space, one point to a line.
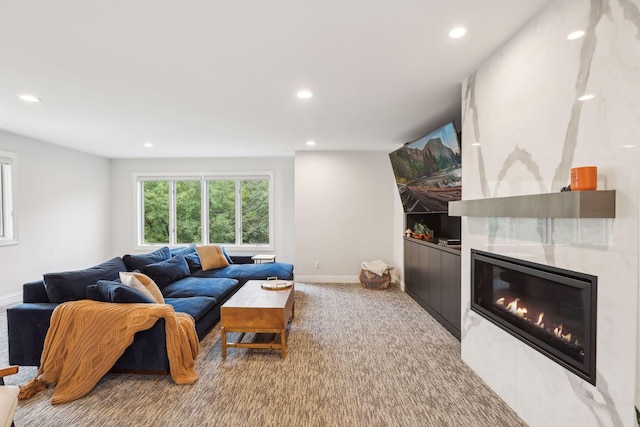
356 357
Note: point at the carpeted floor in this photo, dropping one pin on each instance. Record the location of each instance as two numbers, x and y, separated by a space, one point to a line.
355 357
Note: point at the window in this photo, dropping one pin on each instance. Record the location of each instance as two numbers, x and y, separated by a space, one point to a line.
234 210
8 234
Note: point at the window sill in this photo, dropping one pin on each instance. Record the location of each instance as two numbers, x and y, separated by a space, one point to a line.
9 242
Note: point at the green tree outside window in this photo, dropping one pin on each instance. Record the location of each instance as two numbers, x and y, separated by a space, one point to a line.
222 208
156 212
224 211
188 212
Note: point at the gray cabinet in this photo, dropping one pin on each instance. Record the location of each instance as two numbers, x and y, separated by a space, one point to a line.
432 278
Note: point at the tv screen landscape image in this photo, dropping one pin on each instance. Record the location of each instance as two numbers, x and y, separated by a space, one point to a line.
428 171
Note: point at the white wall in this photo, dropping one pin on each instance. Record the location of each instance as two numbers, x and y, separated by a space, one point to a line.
123 194
398 238
344 213
62 206
521 106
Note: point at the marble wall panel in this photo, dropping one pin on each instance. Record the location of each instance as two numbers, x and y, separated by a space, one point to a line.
521 110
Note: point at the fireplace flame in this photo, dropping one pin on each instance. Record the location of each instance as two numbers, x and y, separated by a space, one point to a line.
539 322
513 308
520 310
558 332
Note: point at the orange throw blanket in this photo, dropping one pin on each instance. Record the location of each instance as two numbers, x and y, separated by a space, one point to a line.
87 337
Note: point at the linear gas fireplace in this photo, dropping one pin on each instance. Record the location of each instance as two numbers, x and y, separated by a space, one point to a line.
551 309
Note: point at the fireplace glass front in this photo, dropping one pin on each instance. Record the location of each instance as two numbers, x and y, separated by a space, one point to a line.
551 309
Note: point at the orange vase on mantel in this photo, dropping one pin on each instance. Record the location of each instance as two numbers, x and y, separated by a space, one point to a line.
584 178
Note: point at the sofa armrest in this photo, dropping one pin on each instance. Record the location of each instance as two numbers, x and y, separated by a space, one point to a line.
34 292
27 326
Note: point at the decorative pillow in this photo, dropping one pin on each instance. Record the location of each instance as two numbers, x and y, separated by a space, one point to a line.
144 284
72 285
166 272
183 250
193 260
226 255
94 293
138 262
108 291
211 257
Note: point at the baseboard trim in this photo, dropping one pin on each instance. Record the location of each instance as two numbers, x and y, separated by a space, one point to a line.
11 299
327 279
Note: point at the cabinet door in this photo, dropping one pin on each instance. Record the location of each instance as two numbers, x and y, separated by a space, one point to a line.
412 267
434 279
423 274
451 288
408 266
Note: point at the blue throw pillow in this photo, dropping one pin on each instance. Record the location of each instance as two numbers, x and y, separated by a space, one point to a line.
117 292
193 261
72 285
166 272
185 250
226 255
138 262
94 293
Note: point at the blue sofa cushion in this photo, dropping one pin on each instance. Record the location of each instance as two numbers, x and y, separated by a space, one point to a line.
200 287
108 291
184 250
72 285
167 272
139 262
197 307
244 272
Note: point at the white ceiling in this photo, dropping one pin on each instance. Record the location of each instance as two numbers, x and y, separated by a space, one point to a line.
219 77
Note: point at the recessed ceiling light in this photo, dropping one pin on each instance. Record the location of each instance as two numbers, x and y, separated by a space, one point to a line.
575 35
310 143
629 146
476 144
29 98
305 94
586 97
148 144
456 33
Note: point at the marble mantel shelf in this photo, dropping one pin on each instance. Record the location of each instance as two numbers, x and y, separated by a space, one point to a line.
570 204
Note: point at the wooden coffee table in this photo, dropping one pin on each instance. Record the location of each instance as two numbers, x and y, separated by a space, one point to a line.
257 310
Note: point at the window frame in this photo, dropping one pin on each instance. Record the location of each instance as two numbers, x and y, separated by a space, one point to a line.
8 215
204 178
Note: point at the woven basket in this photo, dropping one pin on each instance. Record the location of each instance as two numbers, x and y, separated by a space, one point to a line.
370 280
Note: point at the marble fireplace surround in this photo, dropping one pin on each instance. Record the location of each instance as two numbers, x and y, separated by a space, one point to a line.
523 129
552 310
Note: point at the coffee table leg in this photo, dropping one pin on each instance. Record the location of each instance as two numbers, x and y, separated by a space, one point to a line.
283 342
224 342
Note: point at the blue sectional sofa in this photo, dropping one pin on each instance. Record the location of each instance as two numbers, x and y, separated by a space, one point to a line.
178 274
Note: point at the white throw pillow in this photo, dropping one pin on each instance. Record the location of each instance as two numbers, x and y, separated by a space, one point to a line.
143 283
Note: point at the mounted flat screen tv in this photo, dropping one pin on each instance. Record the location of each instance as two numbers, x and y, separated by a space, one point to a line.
428 171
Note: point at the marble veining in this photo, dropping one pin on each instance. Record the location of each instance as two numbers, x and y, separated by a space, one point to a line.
598 400
598 9
632 14
469 321
472 109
